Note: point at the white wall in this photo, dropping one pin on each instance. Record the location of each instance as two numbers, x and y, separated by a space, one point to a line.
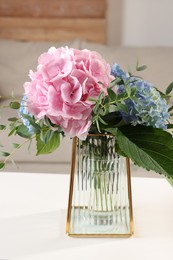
142 22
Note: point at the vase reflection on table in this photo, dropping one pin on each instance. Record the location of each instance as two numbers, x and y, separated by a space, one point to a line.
100 193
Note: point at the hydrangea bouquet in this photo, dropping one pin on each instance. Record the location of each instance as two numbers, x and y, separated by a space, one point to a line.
75 92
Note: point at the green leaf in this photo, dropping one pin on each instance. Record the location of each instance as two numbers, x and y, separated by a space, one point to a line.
2 165
113 120
42 137
140 68
98 126
137 63
46 135
169 126
169 88
14 105
100 97
99 101
112 130
15 145
102 121
12 131
133 91
49 135
92 99
5 154
36 127
50 146
115 82
118 150
101 111
96 108
122 107
12 119
149 148
48 122
23 131
112 108
171 108
112 94
128 90
2 127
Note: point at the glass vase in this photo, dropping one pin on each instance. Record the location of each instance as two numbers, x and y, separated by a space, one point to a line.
100 201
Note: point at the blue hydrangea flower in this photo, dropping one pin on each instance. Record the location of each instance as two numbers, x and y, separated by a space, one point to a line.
148 108
24 111
116 71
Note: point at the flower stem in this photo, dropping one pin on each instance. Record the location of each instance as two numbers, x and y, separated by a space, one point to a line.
14 150
105 191
101 194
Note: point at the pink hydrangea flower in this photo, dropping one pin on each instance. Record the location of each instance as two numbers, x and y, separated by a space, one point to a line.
60 88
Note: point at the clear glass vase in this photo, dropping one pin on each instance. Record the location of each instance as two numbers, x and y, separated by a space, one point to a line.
100 191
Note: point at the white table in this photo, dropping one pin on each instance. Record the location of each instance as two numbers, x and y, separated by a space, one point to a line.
33 217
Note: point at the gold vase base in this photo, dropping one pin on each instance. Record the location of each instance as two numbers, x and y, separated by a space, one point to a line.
96 224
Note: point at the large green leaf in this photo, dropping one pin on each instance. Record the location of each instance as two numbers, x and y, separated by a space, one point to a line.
50 146
149 148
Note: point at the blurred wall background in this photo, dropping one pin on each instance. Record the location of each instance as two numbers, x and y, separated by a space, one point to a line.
140 22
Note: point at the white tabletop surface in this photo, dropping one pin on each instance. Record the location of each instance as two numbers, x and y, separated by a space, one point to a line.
33 216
